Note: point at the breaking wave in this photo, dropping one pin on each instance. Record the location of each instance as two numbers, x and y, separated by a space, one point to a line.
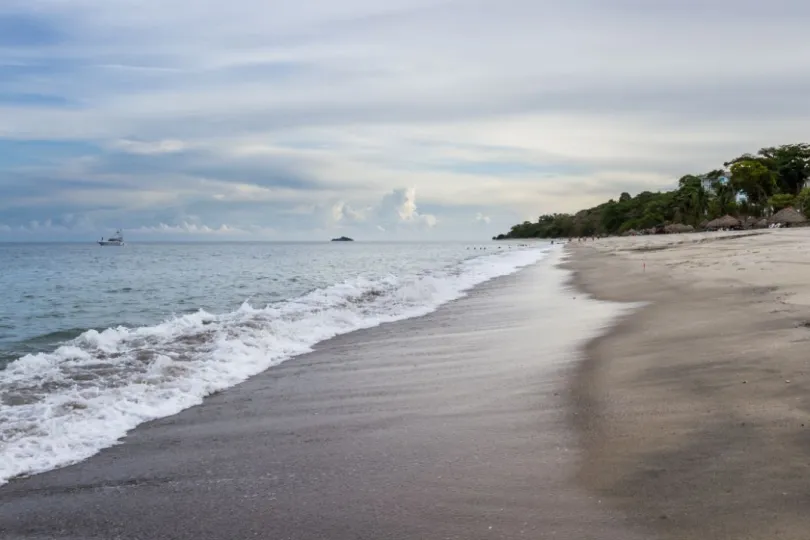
63 406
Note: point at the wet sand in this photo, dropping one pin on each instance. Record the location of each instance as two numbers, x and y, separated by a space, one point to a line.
695 412
451 426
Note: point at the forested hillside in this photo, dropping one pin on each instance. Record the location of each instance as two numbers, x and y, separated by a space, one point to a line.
749 185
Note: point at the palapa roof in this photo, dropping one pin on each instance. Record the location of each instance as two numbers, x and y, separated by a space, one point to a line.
725 222
678 228
788 215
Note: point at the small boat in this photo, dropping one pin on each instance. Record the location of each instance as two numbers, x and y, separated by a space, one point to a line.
117 240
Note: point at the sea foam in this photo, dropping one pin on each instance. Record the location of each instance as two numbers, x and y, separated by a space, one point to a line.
64 406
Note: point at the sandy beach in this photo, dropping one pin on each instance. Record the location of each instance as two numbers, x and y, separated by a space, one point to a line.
694 412
450 426
497 416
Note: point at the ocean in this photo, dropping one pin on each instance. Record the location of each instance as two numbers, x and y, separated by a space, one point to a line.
95 341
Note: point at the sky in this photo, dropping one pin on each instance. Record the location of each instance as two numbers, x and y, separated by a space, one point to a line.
395 120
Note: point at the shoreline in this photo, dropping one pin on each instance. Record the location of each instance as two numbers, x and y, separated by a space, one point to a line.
107 381
693 412
450 425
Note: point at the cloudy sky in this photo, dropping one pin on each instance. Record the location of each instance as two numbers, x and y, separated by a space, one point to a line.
395 119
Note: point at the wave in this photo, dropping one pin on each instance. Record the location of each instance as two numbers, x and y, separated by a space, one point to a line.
55 336
64 406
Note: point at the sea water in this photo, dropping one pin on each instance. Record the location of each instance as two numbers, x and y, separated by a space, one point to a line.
96 340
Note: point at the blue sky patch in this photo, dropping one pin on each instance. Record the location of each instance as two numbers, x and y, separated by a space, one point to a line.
18 30
16 153
32 100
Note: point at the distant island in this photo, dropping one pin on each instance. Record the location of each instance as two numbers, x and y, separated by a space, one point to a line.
769 187
343 239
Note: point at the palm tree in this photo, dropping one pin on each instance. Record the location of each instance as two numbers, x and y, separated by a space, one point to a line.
725 196
692 199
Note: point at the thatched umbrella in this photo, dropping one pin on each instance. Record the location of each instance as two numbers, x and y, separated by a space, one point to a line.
725 222
788 216
703 224
749 222
761 224
676 228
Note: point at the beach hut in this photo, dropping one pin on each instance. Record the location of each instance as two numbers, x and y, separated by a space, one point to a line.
750 222
788 217
761 224
725 222
675 228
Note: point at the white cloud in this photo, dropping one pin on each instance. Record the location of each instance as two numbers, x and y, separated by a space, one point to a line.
429 220
481 218
187 228
260 114
399 206
149 147
48 228
341 211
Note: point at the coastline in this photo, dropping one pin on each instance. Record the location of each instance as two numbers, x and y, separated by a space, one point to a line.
450 425
105 379
694 411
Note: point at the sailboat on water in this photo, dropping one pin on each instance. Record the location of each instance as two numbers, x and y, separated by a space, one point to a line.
117 240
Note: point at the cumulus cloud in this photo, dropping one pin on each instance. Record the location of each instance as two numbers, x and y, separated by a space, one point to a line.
48 228
481 218
393 212
399 206
188 228
343 212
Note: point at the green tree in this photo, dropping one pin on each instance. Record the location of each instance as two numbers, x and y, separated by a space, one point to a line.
770 179
716 174
791 163
724 199
803 201
755 180
692 199
650 219
781 200
612 217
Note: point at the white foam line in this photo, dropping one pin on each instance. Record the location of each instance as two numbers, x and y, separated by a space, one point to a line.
65 406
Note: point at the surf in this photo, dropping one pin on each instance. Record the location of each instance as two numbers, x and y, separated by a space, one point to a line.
63 406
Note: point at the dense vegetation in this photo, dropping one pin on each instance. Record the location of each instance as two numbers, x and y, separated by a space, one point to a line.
751 185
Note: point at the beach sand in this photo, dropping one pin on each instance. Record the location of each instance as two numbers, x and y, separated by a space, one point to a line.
450 426
694 412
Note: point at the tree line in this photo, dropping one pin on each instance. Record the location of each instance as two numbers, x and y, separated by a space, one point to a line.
749 185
